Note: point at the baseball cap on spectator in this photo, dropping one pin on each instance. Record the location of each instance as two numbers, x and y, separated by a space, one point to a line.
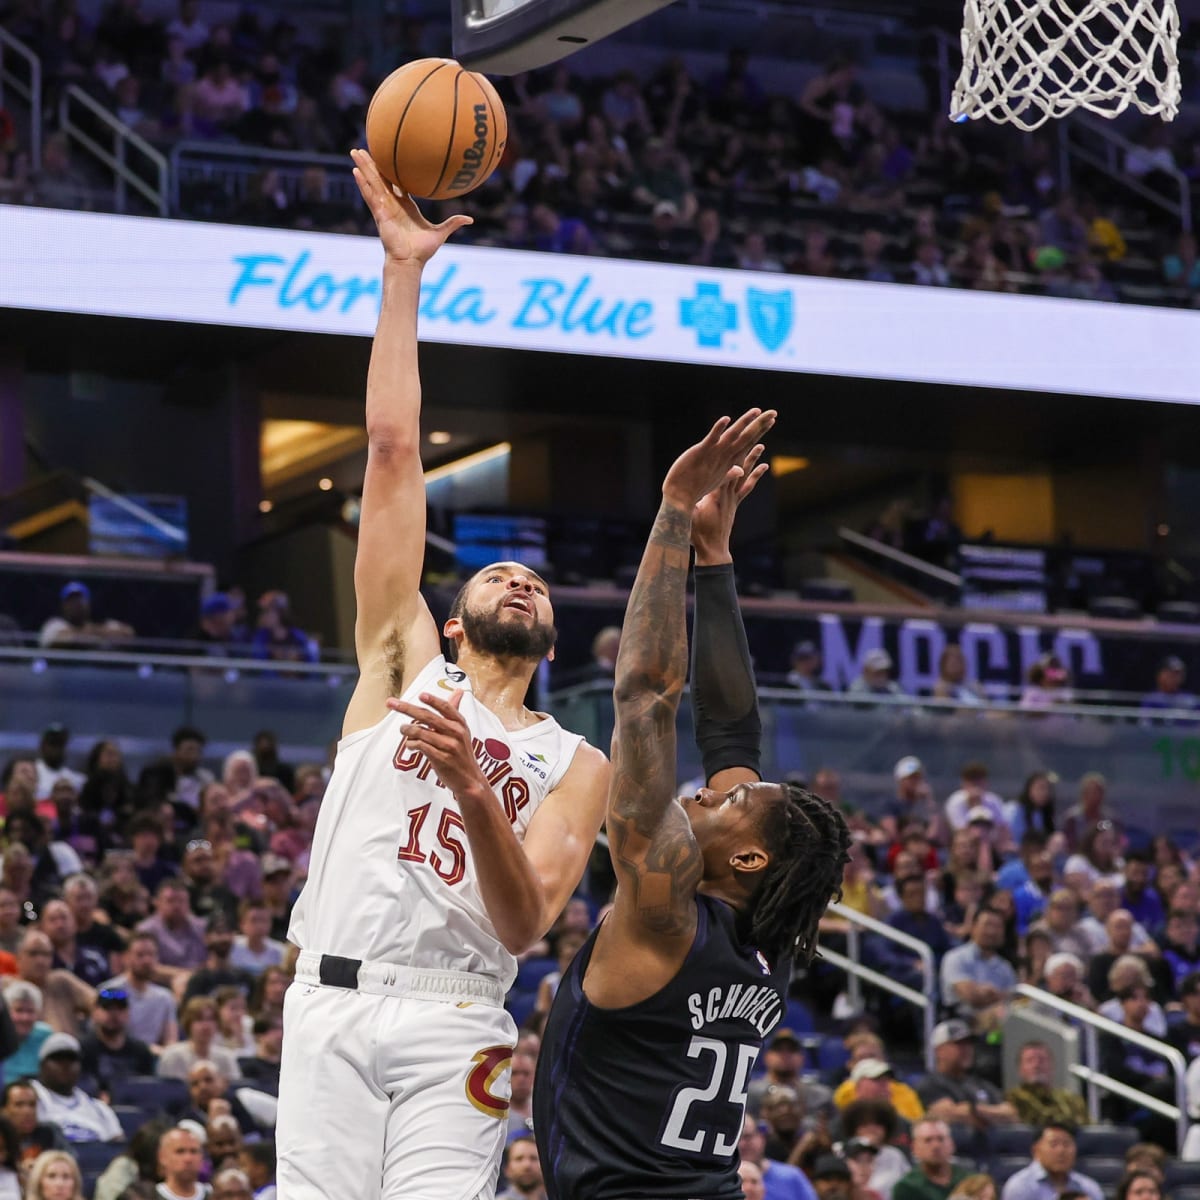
112 998
909 765
785 1037
666 208
951 1031
75 588
805 649
871 1068
216 605
275 864
829 1166
877 660
856 1146
980 816
195 1129
59 1043
56 730
1173 663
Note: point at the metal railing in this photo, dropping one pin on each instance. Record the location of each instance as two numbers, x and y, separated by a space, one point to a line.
925 1001
234 169
147 163
28 88
1092 1026
938 579
1097 144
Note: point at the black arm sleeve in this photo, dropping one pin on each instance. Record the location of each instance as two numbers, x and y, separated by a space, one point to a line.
724 698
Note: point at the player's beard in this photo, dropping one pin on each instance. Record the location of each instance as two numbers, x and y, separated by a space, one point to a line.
492 634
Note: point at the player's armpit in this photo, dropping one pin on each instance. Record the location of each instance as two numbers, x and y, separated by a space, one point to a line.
563 830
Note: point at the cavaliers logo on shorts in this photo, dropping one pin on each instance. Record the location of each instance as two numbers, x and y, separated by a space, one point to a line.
490 1064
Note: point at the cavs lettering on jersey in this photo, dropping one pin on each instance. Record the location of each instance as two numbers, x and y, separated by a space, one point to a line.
391 877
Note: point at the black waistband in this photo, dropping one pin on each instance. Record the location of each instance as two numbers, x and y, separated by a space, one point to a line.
339 972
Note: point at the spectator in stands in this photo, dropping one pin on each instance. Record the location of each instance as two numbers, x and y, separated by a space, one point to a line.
23 1002
751 1179
816 258
180 1159
873 1079
1052 1170
975 980
1103 899
261 1069
876 1122
876 678
1061 922
805 672
1180 949
58 184
1184 1035
60 1099
935 1174
148 863
54 1175
1168 692
1142 901
11 930
1181 269
913 800
179 778
976 265
218 971
951 1093
715 249
219 99
50 861
151 1007
179 934
1120 928
58 924
784 1119
831 1177
52 762
873 265
1128 973
224 1146
231 1184
522 1171
755 255
267 997
784 1060
20 1110
1064 978
198 1024
1091 809
234 1023
1047 683
915 919
1033 809
277 891
1137 1068
1035 1100
73 628
216 624
276 637
253 949
206 892
1139 1185
109 1054
952 682
1096 863
67 1001
973 793
928 267
268 762
782 1182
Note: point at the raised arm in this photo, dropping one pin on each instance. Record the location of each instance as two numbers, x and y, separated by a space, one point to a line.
394 634
724 696
657 860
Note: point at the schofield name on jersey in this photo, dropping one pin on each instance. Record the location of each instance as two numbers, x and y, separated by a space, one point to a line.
754 1002
492 755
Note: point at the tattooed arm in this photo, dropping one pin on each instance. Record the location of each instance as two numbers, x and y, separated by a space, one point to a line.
657 861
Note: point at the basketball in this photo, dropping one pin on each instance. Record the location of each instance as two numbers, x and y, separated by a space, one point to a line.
435 129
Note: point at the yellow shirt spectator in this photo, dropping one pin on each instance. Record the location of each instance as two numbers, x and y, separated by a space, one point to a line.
872 1079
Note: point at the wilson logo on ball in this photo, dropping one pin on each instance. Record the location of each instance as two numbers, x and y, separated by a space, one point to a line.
474 155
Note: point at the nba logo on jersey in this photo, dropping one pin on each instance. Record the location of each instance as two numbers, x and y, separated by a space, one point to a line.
764 966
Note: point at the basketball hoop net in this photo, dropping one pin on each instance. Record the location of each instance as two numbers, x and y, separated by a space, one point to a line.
1026 61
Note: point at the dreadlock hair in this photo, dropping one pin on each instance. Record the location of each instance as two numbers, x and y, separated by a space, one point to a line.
809 844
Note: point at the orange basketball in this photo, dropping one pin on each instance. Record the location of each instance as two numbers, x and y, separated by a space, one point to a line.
436 129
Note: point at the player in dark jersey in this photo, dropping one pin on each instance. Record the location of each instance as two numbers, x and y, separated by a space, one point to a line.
646 1057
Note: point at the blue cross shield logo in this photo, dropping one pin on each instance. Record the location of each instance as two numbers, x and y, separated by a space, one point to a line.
770 316
709 314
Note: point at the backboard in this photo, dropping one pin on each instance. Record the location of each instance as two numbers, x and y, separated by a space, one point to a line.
506 37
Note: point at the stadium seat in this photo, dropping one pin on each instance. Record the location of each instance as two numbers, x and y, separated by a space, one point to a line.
520 1006
1105 1141
1117 608
532 971
831 1054
131 1117
1105 1171
1006 1165
152 1094
1012 1139
1182 1175
1180 612
798 1018
95 1156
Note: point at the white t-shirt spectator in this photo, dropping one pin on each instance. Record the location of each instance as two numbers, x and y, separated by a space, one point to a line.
256 961
79 1116
150 1011
1156 1020
200 1192
960 804
49 776
1092 928
177 1060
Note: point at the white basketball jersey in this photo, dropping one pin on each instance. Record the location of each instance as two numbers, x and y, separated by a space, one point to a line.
391 877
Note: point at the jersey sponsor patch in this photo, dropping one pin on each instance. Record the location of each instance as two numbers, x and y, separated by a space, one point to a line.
490 1065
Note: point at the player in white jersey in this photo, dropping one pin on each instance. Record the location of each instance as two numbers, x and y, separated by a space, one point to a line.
455 827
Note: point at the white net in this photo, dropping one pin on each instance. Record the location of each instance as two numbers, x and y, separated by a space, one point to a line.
1026 61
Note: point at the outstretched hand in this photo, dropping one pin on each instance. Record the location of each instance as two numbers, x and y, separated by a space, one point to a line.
712 518
718 459
440 732
406 235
